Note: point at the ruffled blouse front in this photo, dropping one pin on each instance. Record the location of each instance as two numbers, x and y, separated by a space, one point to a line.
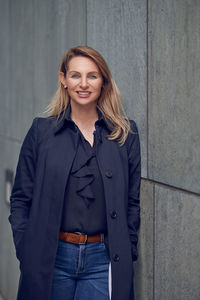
84 208
82 173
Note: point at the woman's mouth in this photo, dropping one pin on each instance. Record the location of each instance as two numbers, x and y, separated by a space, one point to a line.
83 94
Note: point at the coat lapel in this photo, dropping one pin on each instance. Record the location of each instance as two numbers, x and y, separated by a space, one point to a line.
60 158
110 162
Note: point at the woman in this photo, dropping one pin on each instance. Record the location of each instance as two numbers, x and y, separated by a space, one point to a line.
75 200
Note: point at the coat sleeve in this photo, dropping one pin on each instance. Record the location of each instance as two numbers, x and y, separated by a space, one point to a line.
134 159
22 191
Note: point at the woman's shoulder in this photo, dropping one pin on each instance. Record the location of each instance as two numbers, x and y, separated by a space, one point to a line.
42 126
134 128
47 120
44 121
133 135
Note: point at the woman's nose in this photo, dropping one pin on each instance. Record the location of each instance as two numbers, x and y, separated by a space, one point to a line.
84 82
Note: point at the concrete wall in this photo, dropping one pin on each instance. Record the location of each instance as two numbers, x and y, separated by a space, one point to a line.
174 106
118 30
152 48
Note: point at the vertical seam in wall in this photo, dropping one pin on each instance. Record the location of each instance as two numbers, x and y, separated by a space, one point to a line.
154 237
147 83
34 51
86 41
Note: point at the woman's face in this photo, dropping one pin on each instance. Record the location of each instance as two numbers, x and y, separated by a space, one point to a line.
84 81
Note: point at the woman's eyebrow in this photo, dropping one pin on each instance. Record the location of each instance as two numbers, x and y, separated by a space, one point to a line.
94 72
73 71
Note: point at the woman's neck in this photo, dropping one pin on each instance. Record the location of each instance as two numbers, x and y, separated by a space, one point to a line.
84 115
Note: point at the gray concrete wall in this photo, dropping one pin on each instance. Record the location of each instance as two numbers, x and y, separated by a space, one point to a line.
118 30
152 48
174 106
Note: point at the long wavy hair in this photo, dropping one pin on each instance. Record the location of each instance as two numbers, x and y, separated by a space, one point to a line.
109 102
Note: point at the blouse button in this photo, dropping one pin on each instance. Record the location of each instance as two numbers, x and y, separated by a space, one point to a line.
116 257
113 214
109 173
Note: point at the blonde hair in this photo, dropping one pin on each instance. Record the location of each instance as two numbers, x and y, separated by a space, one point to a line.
109 102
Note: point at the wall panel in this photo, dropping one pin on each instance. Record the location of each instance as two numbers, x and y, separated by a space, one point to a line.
9 271
118 30
35 35
177 255
174 103
144 266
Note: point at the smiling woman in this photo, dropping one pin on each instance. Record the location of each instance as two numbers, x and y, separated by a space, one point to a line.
83 80
75 201
84 83
108 101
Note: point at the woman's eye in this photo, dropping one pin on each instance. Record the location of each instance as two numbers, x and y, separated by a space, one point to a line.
92 76
75 76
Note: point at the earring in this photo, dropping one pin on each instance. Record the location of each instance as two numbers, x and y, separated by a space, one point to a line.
65 86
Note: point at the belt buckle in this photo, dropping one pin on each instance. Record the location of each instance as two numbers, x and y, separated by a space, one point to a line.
86 237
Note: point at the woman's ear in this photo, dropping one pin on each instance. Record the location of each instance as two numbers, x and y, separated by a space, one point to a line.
62 78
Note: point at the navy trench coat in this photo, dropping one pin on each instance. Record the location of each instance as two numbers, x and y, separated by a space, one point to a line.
37 198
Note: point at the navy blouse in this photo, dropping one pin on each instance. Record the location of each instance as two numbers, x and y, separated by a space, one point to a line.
84 204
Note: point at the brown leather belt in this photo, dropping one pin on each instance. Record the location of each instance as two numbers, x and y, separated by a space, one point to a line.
78 238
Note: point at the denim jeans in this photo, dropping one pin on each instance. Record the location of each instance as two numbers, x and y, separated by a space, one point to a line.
81 272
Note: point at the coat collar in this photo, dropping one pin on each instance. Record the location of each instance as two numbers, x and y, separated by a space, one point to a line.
65 119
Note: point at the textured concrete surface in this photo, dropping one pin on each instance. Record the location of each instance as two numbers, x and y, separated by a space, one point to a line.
9 270
4 63
35 35
16 82
144 266
59 25
174 104
177 247
118 30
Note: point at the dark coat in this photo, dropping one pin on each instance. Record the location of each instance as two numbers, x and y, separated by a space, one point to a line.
37 198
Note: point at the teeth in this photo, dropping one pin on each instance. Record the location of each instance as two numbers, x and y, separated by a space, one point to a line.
83 93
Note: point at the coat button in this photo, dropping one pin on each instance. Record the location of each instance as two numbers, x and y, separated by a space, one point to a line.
109 173
116 257
113 214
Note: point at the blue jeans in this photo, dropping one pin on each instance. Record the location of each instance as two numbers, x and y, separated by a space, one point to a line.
81 272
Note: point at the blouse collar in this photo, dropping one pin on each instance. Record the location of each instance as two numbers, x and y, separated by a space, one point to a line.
67 120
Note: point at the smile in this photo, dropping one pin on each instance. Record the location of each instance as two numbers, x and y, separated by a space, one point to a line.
84 94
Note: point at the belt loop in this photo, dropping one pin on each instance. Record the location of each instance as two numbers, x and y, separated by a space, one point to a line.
102 238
